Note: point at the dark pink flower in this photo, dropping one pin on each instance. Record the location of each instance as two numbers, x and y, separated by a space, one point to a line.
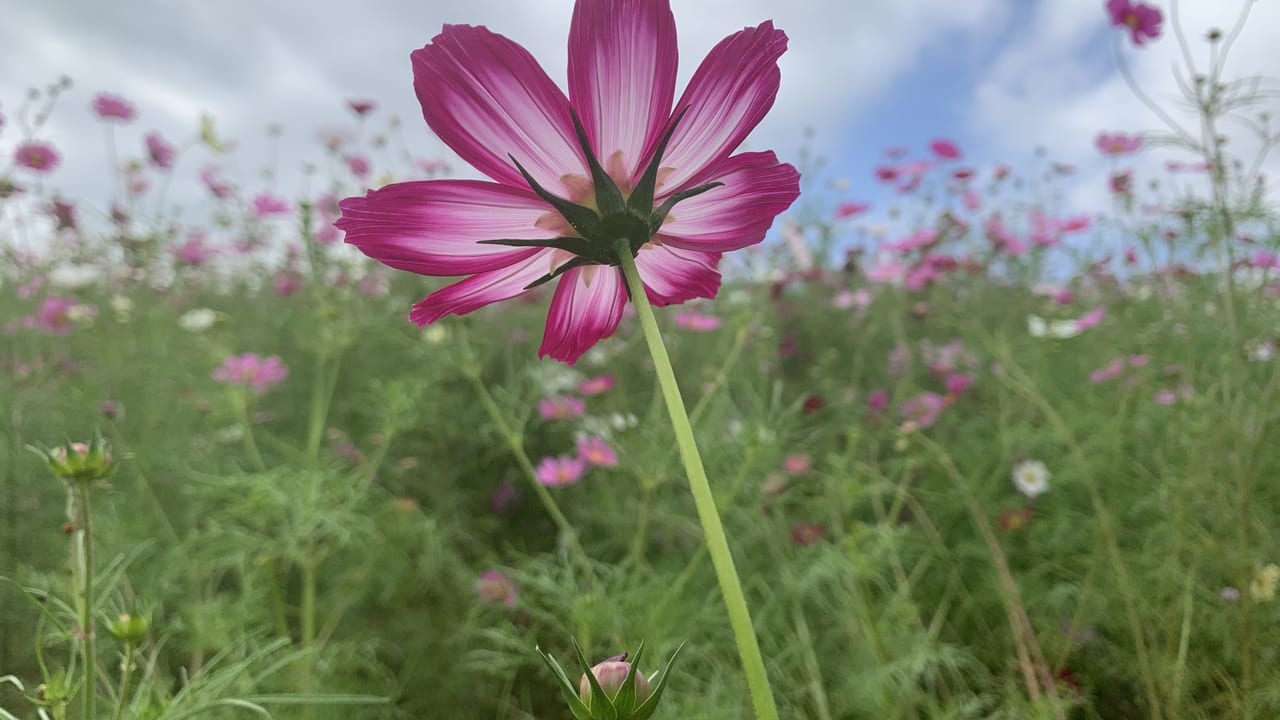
560 471
64 214
259 373
361 107
945 149
57 315
958 383
267 205
194 252
846 210
877 400
564 193
886 173
797 464
1142 20
287 283
112 108
160 152
1117 143
358 165
38 156
595 452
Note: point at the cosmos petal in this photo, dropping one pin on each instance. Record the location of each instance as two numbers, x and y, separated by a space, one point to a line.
482 289
586 308
757 188
673 275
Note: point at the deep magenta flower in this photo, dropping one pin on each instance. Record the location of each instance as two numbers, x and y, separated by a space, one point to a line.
249 369
361 107
35 155
574 175
945 149
1143 20
112 107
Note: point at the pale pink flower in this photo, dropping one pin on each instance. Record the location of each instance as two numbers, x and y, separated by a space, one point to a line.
214 183
496 588
113 108
560 471
846 210
1117 143
923 409
57 315
358 165
596 385
194 252
1091 319
267 205
958 383
1139 361
877 400
1110 371
573 174
797 464
697 321
37 156
259 373
561 407
595 452
159 151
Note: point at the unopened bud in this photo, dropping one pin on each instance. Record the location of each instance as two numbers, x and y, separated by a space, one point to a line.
81 462
130 628
611 674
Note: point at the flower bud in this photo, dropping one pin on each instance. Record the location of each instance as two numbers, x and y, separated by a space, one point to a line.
130 628
81 462
611 674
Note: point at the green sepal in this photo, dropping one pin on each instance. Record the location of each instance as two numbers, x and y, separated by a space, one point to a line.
601 704
575 245
660 213
648 707
576 706
578 261
641 199
580 218
608 197
625 701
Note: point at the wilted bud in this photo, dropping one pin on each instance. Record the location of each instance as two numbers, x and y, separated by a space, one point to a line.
130 628
81 462
611 674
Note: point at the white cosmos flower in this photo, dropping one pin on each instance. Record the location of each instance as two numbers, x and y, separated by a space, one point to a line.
72 276
1031 478
198 320
1039 327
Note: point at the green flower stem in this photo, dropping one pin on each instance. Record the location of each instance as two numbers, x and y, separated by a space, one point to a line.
126 673
713 529
516 444
86 607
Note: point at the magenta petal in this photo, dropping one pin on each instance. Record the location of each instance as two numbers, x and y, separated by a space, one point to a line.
487 98
481 289
587 306
622 76
432 227
727 97
757 188
672 275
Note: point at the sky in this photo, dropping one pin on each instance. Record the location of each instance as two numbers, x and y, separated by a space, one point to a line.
1000 77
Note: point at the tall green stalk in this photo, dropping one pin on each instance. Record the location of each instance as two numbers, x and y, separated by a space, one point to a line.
86 608
717 543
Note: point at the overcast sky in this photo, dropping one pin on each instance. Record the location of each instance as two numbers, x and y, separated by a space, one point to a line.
1001 77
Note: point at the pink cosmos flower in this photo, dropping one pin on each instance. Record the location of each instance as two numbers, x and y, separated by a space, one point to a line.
846 210
1110 371
1091 319
57 315
38 156
958 383
797 464
160 152
922 238
596 385
361 107
595 452
697 321
1143 20
945 149
249 369
1117 143
572 175
560 471
215 184
112 108
923 409
496 588
267 205
194 252
358 165
877 400
561 407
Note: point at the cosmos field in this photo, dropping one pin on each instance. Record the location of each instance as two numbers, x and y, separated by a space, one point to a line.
433 437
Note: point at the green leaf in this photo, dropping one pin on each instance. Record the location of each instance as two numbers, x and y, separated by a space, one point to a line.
576 706
601 704
647 708
625 702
